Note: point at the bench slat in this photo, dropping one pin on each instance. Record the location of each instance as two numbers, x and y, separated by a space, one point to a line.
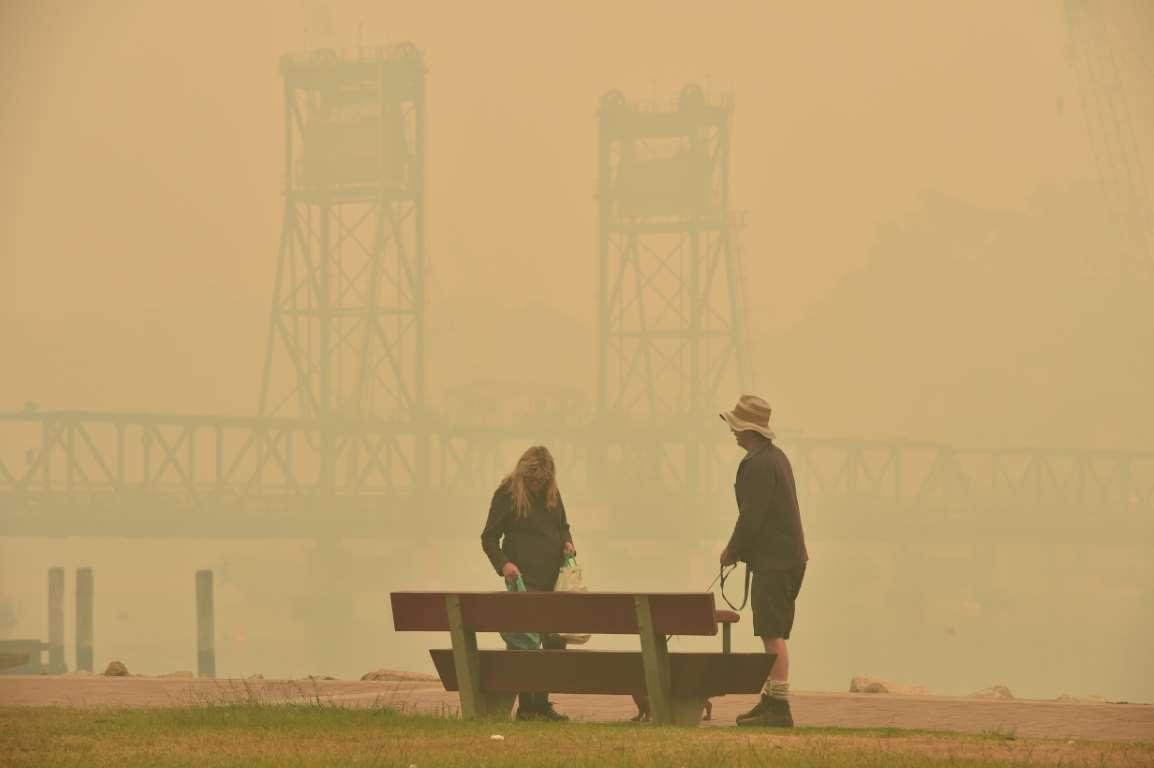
600 613
609 672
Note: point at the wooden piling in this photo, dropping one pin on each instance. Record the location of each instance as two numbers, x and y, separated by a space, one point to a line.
205 647
84 601
56 663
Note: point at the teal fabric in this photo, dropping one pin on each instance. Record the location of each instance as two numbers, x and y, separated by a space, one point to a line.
520 641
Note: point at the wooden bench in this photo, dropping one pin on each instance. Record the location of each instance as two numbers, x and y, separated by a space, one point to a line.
677 684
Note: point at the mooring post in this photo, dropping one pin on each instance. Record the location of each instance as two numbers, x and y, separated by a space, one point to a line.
84 600
56 663
205 649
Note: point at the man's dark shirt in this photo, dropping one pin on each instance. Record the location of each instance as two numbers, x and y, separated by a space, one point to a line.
535 543
768 533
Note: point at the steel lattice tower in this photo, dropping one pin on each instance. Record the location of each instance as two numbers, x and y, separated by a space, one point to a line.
1109 123
671 331
346 334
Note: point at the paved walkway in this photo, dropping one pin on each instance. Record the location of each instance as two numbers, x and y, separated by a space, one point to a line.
1035 719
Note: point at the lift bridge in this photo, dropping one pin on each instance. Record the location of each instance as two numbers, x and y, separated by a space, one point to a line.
345 445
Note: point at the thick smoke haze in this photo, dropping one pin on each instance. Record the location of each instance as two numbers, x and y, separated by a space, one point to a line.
927 255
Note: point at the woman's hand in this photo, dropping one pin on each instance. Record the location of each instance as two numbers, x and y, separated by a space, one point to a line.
569 550
510 571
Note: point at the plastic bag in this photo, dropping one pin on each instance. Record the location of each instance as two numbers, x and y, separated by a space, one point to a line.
571 579
521 641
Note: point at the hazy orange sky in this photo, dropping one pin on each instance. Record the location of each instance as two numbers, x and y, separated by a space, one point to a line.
140 205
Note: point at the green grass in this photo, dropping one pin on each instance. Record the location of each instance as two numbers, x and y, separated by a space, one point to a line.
259 734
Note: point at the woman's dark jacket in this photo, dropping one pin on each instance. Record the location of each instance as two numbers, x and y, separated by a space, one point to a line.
534 543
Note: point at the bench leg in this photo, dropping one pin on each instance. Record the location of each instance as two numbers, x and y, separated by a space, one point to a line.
475 703
687 711
655 660
497 705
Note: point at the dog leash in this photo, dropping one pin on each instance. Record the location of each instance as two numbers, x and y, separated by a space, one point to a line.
723 575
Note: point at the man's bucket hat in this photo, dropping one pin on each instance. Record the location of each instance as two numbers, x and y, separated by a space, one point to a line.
750 414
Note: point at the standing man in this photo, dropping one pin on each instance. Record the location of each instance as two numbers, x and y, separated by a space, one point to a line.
769 539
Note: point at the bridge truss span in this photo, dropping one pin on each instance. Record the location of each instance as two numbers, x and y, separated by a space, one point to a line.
94 473
1023 489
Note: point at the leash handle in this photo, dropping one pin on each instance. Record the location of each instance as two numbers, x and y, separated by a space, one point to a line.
723 575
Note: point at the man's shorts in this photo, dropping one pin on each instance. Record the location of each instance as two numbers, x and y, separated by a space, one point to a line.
772 596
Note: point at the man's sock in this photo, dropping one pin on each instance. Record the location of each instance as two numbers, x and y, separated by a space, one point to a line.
776 689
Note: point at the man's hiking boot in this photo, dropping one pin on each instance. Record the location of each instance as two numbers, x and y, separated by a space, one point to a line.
761 706
769 711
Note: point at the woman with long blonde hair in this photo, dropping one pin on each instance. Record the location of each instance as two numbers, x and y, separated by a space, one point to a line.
527 535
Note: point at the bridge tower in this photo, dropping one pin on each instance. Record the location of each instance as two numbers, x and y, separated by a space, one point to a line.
1110 126
346 333
670 315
